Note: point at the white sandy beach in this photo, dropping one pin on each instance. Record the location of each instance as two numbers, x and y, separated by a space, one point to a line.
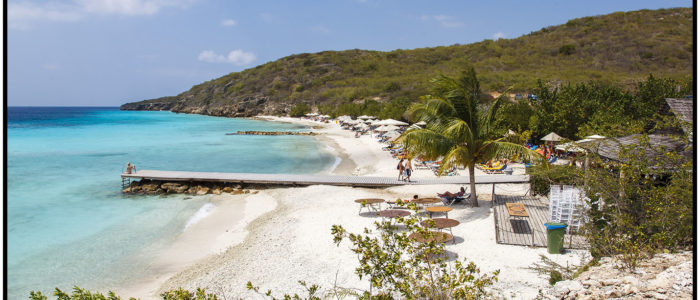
279 236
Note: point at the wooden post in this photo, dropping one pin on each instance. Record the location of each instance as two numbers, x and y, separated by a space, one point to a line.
493 192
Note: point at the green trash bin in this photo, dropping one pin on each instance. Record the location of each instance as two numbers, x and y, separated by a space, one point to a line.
555 237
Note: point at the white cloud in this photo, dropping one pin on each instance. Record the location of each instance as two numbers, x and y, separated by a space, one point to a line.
22 14
320 28
445 21
236 57
498 35
130 7
229 23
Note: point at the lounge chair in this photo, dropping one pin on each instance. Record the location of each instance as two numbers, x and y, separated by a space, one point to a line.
498 170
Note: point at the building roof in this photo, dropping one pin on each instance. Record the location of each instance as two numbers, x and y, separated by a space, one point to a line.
610 148
681 108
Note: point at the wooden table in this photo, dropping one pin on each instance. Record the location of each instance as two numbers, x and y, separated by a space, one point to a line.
394 213
424 201
438 209
372 203
431 236
517 210
440 223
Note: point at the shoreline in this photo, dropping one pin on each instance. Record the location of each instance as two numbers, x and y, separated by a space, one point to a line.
291 241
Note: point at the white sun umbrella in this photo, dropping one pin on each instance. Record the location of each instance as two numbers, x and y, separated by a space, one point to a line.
421 123
352 122
388 128
392 134
551 137
362 126
311 114
363 117
344 118
391 122
415 126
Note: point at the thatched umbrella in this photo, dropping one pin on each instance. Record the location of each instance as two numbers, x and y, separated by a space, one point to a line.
551 137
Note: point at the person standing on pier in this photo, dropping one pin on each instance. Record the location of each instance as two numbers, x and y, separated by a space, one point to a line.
400 167
408 169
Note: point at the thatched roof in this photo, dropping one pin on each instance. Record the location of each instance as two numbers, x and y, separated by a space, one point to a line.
681 108
610 148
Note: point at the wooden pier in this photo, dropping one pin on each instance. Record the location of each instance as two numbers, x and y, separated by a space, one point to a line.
293 179
528 231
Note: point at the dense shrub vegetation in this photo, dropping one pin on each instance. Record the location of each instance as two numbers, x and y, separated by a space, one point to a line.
620 48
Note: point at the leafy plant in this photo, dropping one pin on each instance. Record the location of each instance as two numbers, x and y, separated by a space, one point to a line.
642 205
457 129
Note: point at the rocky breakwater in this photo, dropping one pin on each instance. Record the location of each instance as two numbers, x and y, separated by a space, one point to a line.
270 133
664 276
156 187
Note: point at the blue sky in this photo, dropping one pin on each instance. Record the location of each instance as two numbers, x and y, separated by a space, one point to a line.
109 52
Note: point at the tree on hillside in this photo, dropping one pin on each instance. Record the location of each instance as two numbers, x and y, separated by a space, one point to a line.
458 129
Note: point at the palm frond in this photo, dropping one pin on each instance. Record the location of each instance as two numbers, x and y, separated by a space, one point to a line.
457 156
425 142
500 149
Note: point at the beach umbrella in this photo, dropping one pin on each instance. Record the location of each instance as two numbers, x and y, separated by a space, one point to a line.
551 137
391 122
363 117
352 122
415 126
595 137
421 123
387 128
392 134
311 114
362 126
344 118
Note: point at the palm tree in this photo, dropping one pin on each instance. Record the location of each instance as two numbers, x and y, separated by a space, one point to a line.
458 129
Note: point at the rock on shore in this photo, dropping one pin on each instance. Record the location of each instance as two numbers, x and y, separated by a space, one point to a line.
156 187
665 276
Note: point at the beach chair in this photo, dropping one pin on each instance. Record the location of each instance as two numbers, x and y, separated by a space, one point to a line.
498 170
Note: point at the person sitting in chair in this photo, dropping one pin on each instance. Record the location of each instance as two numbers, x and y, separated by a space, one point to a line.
451 196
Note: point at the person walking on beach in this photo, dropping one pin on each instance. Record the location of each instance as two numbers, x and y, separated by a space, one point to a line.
408 169
400 167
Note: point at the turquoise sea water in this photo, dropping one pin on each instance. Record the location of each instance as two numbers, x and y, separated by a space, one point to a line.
67 221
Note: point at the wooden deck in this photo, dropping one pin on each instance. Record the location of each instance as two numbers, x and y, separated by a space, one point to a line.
291 179
526 231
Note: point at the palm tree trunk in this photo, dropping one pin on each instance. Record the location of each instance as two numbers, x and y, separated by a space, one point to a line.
472 186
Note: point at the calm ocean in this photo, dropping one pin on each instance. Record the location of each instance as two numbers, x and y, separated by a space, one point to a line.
67 221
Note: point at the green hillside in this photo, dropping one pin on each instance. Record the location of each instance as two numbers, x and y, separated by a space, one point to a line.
620 48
